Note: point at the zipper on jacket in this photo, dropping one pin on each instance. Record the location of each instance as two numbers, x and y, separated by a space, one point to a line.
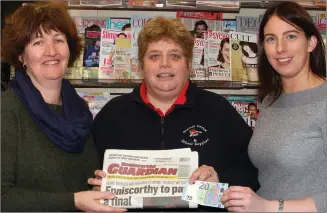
162 132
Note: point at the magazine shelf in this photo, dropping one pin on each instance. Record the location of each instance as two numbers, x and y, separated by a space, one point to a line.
95 83
187 5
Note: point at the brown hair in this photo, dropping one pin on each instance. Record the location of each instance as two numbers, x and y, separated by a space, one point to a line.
28 20
294 14
220 55
160 28
252 46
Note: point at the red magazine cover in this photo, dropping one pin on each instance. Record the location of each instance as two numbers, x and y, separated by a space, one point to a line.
200 15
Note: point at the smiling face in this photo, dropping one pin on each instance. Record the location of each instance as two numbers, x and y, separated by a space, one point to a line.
46 56
287 48
252 111
225 52
165 69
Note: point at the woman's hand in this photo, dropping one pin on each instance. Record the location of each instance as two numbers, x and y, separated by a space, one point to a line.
204 173
243 199
96 182
89 201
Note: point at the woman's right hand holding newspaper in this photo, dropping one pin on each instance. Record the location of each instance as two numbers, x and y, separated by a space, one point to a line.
96 183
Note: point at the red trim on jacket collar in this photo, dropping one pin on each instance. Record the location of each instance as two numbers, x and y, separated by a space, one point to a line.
181 99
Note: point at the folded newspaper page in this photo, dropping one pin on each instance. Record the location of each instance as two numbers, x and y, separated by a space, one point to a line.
148 179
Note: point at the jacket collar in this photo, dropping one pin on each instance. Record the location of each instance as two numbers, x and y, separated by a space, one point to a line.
191 95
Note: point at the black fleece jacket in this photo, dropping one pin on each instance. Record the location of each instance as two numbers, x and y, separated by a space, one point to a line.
206 123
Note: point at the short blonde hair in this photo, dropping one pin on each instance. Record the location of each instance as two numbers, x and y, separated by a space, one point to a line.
160 28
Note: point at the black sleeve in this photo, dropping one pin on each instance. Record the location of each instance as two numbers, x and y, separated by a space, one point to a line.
96 129
101 128
239 169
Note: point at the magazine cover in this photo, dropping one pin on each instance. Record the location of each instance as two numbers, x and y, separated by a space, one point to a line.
180 3
199 15
244 57
247 106
248 24
76 71
101 3
83 22
122 58
198 26
74 2
106 66
217 56
137 23
229 25
119 24
145 3
92 46
321 23
231 4
314 19
198 72
90 72
95 100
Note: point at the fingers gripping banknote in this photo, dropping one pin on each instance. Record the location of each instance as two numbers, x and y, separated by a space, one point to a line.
205 193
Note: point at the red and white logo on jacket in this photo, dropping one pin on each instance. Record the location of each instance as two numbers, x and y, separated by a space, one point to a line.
195 135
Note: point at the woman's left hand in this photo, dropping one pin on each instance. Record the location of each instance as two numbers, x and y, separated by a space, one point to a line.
243 199
204 173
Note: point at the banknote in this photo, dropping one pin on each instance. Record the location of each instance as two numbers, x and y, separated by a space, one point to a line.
205 193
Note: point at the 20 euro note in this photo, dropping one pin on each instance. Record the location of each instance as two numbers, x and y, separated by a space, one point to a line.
205 193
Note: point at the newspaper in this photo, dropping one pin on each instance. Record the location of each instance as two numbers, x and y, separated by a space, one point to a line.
148 179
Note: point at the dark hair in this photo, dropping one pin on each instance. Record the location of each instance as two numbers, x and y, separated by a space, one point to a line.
126 26
122 34
28 20
253 47
93 27
201 22
294 14
252 104
95 41
220 55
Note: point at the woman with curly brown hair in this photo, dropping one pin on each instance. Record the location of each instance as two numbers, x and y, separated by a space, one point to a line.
47 151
